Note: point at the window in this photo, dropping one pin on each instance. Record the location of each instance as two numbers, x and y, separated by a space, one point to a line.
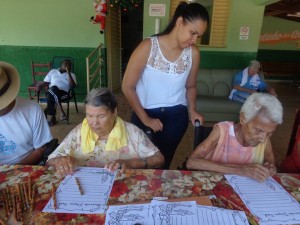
215 36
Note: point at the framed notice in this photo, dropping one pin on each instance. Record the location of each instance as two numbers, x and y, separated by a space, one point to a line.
244 33
157 10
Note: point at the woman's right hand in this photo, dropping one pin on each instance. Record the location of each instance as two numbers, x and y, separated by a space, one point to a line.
64 165
154 124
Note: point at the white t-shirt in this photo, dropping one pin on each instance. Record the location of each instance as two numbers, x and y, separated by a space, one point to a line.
22 130
59 79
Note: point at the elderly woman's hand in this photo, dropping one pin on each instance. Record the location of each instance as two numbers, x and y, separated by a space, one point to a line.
115 165
271 167
256 171
64 165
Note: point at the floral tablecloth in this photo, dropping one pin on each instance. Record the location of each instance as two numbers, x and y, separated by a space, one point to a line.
135 186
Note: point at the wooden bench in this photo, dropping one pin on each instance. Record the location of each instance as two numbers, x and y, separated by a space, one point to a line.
285 70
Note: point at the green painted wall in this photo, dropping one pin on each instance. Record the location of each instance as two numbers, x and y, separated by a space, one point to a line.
149 21
279 34
237 53
279 41
39 30
21 58
58 23
244 13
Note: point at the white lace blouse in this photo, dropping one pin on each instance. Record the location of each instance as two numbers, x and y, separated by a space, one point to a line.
162 83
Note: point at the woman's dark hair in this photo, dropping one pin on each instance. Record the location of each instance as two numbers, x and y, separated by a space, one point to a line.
189 12
101 97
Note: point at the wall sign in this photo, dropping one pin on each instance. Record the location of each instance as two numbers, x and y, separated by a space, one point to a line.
157 10
277 37
244 33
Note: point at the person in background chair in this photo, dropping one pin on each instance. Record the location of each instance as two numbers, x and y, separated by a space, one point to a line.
243 148
104 140
60 81
24 131
247 82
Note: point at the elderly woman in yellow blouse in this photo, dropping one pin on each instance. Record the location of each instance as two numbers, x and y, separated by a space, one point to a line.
104 140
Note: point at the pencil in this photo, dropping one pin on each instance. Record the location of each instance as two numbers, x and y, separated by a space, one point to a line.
14 206
79 186
54 197
25 189
29 187
7 212
32 198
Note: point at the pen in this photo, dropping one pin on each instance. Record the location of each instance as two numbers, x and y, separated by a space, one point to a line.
78 185
54 197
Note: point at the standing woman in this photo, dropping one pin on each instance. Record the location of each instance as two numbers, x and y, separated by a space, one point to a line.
160 80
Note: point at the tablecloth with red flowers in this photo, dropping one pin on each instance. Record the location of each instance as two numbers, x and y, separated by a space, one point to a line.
135 186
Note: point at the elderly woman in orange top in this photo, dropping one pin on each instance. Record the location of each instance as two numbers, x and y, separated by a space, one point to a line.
243 148
104 140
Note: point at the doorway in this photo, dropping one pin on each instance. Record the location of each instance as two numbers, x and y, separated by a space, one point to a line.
132 32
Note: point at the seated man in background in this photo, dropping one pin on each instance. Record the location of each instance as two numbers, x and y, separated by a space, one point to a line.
247 82
23 128
104 140
60 81
243 148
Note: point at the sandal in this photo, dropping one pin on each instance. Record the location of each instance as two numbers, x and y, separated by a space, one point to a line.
63 118
52 121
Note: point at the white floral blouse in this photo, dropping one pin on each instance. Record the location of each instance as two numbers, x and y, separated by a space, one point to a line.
138 146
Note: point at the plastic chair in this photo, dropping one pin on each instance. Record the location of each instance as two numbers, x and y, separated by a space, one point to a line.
50 147
39 71
56 63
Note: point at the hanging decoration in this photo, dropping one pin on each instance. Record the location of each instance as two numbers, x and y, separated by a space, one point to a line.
100 14
126 5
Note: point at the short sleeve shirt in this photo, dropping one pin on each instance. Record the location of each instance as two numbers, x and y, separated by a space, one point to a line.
138 146
22 130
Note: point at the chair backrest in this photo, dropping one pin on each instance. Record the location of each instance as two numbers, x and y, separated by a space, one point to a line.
294 132
57 60
39 70
201 133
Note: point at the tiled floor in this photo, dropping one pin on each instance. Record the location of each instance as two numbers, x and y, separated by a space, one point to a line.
288 94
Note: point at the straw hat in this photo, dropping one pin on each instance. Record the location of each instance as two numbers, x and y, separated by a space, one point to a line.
9 84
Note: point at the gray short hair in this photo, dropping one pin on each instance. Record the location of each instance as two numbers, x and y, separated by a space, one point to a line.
101 97
254 64
262 104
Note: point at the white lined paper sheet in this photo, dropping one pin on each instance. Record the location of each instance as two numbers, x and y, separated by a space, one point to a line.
268 201
209 215
96 184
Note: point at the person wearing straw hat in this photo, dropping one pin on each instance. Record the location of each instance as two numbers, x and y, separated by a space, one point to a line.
23 127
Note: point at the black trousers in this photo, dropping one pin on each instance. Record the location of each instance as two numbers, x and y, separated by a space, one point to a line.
175 120
54 96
